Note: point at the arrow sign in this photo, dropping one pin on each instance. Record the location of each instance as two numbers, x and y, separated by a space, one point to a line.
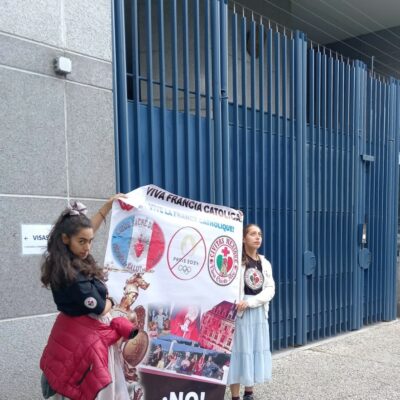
34 238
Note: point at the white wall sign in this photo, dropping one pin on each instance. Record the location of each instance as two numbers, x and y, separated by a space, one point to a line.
34 238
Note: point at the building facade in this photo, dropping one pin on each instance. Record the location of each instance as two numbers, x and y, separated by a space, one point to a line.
60 139
56 144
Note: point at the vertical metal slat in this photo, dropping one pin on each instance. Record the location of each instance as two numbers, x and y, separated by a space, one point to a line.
217 188
225 143
245 156
286 206
187 134
123 144
253 178
178 188
235 118
150 140
312 188
199 140
166 150
277 151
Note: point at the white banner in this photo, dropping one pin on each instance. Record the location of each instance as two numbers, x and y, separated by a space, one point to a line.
173 266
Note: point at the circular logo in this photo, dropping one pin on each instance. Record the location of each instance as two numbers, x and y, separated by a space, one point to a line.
186 254
137 243
253 278
223 260
90 302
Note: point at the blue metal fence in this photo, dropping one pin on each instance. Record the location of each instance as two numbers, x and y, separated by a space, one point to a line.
222 106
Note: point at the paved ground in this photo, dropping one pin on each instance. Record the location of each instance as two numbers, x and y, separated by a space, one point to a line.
361 365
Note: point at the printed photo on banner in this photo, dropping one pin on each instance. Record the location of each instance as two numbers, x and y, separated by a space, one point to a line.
173 270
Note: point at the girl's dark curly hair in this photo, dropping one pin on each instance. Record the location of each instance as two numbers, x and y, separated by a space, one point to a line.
60 265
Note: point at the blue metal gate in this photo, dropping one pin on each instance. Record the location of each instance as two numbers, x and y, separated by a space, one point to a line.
220 105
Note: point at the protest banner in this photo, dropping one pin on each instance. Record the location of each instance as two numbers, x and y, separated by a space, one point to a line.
173 269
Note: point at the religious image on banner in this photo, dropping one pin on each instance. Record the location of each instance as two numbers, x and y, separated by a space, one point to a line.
173 270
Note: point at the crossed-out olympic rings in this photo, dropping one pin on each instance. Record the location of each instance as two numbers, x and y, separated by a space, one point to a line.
185 269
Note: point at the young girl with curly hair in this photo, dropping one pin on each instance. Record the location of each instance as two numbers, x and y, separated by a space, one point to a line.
79 360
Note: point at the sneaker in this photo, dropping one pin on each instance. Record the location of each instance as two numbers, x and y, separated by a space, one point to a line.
248 397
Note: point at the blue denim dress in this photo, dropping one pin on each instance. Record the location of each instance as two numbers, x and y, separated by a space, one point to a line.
251 360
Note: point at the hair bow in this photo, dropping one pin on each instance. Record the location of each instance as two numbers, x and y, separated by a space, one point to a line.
75 208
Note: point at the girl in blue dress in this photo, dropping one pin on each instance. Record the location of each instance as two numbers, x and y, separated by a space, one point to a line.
251 354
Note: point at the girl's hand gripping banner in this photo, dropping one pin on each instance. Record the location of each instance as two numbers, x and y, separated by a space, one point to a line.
173 270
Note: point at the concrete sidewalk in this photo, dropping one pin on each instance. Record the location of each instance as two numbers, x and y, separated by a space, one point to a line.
363 364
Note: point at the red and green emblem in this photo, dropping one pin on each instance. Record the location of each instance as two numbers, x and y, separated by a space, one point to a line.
223 260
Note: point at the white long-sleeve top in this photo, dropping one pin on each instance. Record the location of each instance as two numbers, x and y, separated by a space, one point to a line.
265 296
